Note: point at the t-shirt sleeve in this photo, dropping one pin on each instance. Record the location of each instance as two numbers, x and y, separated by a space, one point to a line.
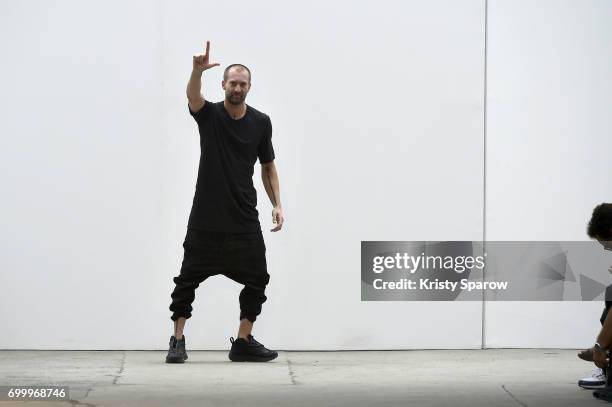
265 151
202 115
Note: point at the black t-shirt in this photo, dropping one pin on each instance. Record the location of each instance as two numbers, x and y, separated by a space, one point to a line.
225 198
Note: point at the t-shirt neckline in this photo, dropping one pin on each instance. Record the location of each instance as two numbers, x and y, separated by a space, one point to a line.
230 116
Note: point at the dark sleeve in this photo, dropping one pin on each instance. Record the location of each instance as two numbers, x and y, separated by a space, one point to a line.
265 151
202 115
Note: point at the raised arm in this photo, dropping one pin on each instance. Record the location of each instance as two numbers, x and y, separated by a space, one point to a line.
194 86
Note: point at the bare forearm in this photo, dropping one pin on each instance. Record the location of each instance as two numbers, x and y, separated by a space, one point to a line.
272 186
194 86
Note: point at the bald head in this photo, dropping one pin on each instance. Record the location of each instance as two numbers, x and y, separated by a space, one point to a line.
236 68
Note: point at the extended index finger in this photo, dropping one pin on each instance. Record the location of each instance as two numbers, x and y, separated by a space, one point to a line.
207 47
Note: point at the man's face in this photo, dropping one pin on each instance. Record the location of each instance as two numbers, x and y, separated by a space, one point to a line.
236 86
607 244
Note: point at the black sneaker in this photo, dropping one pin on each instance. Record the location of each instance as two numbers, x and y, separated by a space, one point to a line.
250 351
177 352
603 394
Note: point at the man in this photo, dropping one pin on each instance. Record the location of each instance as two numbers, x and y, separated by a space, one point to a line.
600 229
223 234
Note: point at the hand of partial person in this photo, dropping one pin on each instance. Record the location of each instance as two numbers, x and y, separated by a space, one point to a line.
277 219
201 61
586 354
610 270
600 359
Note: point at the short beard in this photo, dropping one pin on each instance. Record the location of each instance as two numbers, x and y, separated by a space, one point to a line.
233 102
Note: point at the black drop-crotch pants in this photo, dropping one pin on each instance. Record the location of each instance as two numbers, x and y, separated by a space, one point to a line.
239 256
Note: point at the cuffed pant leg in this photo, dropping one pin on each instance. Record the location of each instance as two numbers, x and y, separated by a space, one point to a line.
202 259
251 300
182 296
246 264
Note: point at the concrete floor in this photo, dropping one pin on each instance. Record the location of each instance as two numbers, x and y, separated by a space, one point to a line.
512 378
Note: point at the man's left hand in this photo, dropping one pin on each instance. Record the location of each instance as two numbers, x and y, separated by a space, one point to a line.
277 219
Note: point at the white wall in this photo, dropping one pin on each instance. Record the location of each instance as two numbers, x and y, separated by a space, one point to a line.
81 140
377 111
378 119
367 123
548 148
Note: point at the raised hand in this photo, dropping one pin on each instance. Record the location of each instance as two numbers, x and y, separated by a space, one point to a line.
201 62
